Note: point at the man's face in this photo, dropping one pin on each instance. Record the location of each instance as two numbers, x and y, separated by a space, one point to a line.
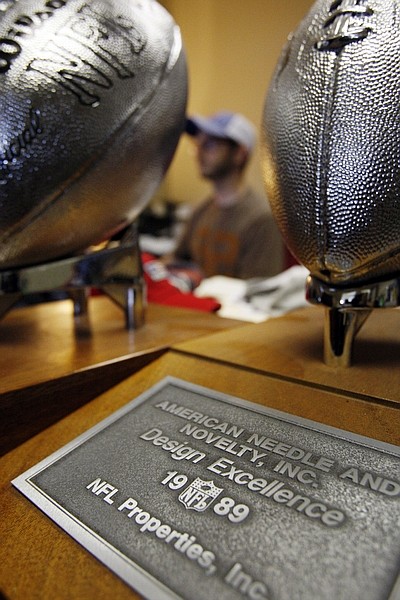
216 157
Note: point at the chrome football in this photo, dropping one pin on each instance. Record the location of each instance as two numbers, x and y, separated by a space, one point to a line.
331 140
92 104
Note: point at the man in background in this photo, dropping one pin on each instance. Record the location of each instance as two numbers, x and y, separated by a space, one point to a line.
231 232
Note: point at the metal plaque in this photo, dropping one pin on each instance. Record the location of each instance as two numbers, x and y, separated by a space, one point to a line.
190 493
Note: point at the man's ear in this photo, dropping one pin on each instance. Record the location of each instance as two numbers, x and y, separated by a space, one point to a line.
241 156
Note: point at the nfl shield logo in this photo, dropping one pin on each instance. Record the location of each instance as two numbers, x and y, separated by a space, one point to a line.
199 495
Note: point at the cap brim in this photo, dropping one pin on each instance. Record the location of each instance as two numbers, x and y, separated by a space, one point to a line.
195 125
191 127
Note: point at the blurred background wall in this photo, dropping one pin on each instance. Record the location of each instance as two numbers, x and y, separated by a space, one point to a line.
232 47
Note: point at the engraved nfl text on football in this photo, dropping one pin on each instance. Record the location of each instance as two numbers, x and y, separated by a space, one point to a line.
92 103
331 140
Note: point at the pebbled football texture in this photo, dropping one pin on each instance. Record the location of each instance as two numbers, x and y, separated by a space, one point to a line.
92 104
331 140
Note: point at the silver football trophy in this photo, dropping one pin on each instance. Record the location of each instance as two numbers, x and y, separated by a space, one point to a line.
331 156
92 104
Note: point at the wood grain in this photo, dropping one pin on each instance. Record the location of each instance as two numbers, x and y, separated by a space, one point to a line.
48 370
291 347
39 561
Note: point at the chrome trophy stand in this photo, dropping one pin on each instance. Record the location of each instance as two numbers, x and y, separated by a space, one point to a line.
115 269
346 310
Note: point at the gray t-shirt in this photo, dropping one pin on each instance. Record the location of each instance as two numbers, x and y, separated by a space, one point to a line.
241 240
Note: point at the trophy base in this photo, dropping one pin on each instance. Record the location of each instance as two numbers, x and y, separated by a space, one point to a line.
115 270
346 310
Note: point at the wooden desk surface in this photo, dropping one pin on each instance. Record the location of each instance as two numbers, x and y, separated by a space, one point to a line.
38 560
291 347
47 371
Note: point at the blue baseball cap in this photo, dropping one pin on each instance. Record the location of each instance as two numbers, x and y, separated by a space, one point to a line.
225 125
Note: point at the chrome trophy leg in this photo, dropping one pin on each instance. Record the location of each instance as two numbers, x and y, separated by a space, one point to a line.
346 310
116 270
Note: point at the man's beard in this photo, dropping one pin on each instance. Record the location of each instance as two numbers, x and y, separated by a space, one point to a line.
219 171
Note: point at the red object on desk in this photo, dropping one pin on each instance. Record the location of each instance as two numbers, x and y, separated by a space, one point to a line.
161 290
